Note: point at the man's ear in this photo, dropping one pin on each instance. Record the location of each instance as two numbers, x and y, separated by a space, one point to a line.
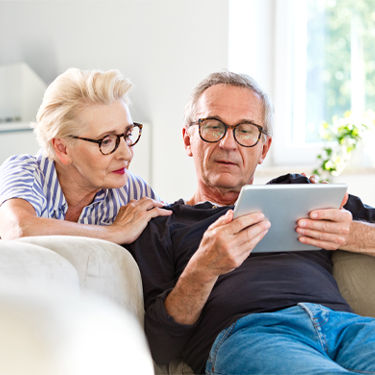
265 148
187 141
60 147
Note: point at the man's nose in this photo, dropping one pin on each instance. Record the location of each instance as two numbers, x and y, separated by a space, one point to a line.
228 140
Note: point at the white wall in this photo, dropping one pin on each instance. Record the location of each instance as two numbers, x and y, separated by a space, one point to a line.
164 46
252 45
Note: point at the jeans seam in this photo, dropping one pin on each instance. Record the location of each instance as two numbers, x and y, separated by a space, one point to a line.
228 331
317 326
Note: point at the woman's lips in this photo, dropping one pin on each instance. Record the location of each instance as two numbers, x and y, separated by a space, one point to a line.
120 171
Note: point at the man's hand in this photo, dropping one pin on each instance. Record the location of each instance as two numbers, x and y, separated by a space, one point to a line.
224 246
328 229
227 242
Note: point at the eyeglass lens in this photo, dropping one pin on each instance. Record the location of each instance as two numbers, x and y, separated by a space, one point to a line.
213 130
110 142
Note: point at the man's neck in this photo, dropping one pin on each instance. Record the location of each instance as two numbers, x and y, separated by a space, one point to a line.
221 197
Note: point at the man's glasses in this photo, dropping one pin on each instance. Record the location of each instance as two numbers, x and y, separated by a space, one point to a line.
109 144
213 130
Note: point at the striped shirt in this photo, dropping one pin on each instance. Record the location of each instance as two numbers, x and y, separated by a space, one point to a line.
34 179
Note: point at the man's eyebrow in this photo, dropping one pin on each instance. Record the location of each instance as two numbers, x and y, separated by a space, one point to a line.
216 117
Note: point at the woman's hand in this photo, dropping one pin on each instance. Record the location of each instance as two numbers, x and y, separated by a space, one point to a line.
133 218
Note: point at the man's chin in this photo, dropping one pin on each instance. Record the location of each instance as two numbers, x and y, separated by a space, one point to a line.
227 183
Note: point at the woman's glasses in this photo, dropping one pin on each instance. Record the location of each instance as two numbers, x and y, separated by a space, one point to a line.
109 144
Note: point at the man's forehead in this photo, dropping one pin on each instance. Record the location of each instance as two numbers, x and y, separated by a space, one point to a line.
230 100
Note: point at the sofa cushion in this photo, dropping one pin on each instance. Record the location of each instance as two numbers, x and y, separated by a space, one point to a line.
355 276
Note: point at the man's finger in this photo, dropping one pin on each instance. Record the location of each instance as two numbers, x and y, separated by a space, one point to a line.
345 200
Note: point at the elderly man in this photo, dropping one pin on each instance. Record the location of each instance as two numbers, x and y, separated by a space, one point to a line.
217 306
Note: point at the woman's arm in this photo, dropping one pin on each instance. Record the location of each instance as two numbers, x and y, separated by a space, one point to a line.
18 219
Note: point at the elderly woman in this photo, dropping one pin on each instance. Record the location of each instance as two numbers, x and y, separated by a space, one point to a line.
79 182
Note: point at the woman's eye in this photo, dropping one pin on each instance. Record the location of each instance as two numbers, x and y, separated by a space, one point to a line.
107 141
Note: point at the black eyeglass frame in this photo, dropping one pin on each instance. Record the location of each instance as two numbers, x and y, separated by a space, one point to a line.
233 127
100 141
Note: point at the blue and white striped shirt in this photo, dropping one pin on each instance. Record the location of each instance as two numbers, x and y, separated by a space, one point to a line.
34 179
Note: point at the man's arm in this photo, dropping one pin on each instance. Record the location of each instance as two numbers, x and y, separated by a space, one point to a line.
224 247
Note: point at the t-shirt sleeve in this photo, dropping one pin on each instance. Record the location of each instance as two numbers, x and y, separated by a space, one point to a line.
359 210
20 177
152 252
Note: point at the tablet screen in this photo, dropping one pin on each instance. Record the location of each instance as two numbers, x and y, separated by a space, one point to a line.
283 205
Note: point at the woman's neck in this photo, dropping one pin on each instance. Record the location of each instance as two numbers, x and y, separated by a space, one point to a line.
76 197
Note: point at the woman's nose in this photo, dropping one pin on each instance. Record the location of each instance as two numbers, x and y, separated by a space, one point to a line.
124 151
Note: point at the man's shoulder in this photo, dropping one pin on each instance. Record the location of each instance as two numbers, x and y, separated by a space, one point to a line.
290 178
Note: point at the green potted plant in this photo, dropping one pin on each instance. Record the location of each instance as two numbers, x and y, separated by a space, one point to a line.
342 137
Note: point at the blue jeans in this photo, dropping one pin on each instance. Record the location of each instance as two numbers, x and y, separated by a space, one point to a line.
304 339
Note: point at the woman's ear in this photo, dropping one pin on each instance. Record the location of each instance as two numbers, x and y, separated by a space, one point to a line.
187 141
60 147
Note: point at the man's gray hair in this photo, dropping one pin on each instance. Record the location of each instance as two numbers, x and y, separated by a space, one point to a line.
232 79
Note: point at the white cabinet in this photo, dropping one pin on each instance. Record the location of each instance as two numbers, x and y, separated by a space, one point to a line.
21 93
17 138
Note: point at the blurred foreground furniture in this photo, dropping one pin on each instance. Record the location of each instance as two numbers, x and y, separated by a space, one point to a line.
70 306
49 318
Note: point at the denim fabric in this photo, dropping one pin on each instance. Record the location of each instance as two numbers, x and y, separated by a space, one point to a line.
304 339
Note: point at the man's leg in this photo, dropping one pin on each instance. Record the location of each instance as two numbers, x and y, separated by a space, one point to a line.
284 342
349 338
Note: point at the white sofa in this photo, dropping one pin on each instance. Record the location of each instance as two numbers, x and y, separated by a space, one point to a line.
83 266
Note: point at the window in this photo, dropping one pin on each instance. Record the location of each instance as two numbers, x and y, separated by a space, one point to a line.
340 58
325 60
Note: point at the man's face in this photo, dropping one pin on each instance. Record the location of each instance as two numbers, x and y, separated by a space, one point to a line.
226 165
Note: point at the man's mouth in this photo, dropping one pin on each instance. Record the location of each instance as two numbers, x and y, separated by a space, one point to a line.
225 162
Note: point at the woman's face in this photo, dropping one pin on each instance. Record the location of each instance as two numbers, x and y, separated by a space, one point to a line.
94 170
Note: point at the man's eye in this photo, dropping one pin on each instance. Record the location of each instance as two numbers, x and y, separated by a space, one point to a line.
244 131
213 128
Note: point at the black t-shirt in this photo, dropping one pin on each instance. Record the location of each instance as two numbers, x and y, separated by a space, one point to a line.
265 282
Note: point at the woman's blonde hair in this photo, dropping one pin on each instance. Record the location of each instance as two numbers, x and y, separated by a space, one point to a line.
67 95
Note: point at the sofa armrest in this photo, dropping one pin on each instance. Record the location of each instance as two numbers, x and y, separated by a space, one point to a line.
32 267
355 277
103 267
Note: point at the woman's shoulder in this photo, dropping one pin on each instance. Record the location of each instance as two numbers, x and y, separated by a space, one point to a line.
23 163
19 163
30 167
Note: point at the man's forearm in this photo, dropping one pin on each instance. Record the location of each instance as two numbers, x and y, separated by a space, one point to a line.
186 301
361 238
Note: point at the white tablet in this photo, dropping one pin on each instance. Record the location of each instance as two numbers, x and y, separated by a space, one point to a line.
283 205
